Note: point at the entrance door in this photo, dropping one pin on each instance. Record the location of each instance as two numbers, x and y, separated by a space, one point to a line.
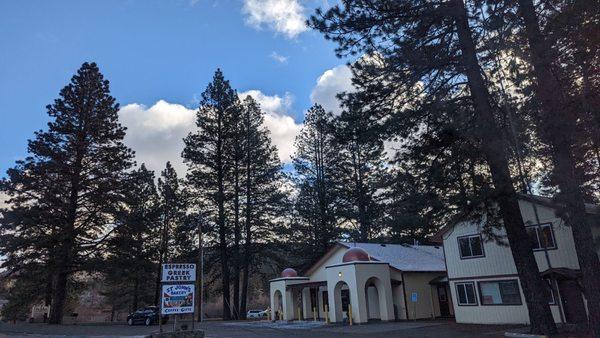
572 301
443 301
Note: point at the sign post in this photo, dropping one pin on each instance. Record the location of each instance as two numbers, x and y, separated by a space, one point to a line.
178 290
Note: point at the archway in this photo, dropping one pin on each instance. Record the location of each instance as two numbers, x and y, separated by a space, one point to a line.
278 308
374 298
342 300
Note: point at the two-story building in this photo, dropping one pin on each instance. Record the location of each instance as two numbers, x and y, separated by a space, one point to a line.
483 277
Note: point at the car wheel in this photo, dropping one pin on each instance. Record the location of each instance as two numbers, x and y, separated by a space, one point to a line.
129 321
148 321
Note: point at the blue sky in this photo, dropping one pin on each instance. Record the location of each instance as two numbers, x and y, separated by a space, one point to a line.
158 56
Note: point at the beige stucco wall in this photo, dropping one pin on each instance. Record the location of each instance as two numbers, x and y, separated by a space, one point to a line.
427 305
319 274
356 276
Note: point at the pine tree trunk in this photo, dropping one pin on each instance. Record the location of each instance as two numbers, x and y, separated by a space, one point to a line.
531 282
162 257
59 296
136 291
559 129
66 246
247 222
157 282
246 271
236 246
48 291
224 255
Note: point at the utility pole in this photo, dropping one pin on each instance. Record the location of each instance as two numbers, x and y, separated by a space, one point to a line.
201 266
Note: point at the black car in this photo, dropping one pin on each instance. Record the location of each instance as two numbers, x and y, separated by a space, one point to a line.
147 315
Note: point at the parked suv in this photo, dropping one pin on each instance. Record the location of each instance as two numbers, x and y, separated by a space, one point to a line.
147 315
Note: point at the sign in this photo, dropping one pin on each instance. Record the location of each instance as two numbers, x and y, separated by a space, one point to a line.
413 297
178 272
177 299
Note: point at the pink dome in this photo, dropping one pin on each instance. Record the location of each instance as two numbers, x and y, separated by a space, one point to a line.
289 272
356 254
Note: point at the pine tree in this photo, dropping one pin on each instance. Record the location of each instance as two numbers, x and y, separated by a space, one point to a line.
264 198
132 249
428 55
172 204
63 195
361 169
316 164
208 167
558 127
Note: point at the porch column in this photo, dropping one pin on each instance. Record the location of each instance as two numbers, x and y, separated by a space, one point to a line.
306 308
335 303
386 300
288 305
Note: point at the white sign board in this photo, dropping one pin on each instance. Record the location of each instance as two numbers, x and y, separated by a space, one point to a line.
178 272
177 299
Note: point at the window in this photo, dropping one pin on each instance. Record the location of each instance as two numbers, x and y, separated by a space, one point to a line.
470 246
465 293
505 292
541 236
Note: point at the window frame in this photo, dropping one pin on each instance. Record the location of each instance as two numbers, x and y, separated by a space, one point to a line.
552 292
468 237
472 283
537 228
499 281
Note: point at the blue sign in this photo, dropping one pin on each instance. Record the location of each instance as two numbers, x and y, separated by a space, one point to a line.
413 297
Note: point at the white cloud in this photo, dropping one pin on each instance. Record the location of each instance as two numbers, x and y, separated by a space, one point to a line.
283 128
283 16
329 84
156 133
278 57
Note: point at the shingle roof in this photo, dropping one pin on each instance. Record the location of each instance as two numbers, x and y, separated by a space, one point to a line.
405 257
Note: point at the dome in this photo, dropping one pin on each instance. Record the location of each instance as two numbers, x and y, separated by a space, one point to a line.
289 272
356 254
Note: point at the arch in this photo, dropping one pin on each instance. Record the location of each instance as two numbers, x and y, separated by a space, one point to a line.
341 298
374 298
278 304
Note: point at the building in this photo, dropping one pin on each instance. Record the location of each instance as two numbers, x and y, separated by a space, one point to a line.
367 280
483 278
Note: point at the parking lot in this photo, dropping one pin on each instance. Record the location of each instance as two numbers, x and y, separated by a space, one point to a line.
219 329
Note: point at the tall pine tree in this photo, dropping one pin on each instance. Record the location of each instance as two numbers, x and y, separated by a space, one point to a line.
263 197
360 170
316 163
172 204
209 168
73 179
132 249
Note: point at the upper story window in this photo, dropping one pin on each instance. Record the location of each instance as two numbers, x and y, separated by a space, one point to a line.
542 236
505 292
470 246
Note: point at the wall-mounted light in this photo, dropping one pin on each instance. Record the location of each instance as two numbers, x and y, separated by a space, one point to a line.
340 274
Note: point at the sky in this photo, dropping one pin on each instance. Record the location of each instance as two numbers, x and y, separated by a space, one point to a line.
159 55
